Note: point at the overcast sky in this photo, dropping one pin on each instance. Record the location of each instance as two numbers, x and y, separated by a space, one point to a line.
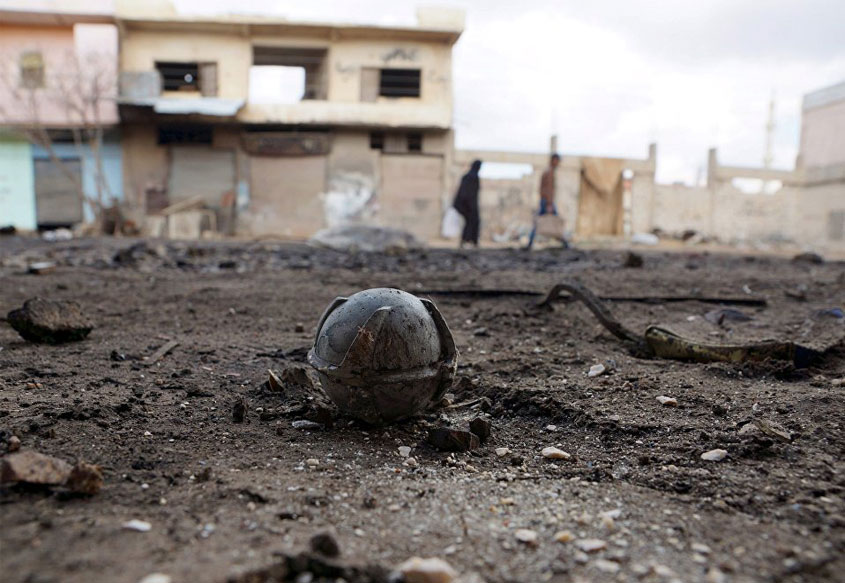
610 76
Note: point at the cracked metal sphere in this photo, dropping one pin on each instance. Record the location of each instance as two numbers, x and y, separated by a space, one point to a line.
383 354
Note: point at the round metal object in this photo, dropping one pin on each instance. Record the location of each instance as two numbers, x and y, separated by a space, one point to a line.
383 354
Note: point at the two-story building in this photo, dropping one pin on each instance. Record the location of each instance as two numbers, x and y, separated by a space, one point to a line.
284 128
59 145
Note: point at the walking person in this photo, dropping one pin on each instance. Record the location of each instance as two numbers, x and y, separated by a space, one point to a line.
466 203
547 197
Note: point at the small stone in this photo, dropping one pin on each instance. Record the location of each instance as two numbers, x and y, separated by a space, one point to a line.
662 571
85 479
411 462
596 370
667 401
714 455
433 570
446 439
551 427
33 468
480 332
324 543
305 424
838 382
502 451
137 525
481 427
714 575
591 545
404 451
312 462
299 328
554 453
606 566
526 536
239 408
608 523
748 429
564 536
156 578
14 444
700 548
584 518
49 321
634 260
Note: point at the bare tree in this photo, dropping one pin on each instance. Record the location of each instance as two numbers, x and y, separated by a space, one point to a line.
82 90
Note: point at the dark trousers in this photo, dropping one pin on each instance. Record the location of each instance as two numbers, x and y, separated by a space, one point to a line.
472 226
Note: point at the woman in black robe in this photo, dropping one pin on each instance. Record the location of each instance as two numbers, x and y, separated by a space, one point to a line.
466 203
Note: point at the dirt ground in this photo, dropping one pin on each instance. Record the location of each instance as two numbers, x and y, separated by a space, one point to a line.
227 500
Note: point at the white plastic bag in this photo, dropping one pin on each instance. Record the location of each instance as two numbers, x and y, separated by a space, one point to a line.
453 224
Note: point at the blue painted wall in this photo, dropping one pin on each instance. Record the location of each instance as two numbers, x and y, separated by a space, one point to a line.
17 184
112 157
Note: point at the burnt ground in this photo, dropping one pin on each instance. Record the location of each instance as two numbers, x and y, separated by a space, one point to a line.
227 498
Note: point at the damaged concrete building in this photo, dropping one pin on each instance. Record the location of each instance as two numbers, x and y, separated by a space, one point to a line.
279 128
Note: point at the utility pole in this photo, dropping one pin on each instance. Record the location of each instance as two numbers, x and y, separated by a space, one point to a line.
770 134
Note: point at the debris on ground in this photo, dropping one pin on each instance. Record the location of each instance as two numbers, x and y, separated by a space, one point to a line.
161 352
590 545
432 570
137 525
719 317
633 260
663 343
239 409
325 543
667 401
526 536
354 238
798 293
596 370
274 383
808 257
446 439
714 455
32 467
85 479
50 321
383 354
553 453
481 427
41 267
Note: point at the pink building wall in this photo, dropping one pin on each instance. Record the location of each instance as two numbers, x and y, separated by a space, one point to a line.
72 56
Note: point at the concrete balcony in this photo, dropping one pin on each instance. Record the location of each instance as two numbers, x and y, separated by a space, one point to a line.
382 114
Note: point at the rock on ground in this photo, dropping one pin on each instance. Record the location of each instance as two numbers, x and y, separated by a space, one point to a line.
417 570
33 468
50 321
354 238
